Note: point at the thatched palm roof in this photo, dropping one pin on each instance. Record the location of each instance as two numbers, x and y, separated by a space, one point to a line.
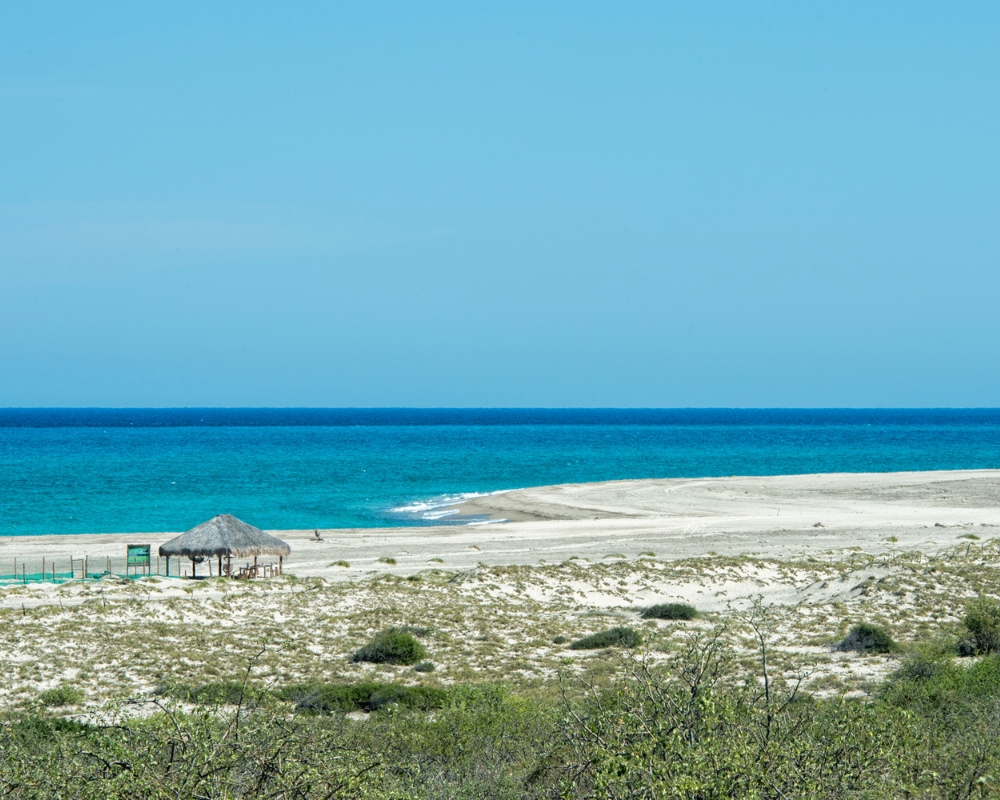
224 535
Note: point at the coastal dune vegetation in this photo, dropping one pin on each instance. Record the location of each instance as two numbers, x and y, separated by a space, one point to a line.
703 723
848 675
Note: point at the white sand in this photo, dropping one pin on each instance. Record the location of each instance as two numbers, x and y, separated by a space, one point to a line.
495 622
775 517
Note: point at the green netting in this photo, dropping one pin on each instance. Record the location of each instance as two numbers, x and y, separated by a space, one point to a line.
38 577
30 569
15 569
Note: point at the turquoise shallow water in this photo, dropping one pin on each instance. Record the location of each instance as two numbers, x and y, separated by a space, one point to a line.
88 471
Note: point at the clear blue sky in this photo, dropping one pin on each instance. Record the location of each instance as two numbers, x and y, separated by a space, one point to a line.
537 204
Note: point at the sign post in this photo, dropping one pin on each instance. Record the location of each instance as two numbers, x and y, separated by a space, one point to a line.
137 559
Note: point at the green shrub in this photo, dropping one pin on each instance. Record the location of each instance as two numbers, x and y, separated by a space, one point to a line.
424 666
388 560
394 646
982 624
329 698
615 637
61 696
938 682
560 640
220 693
341 563
867 638
670 611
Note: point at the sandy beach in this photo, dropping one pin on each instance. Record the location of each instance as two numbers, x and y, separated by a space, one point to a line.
773 517
905 550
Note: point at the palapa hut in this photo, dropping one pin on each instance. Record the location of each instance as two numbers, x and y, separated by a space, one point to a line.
227 536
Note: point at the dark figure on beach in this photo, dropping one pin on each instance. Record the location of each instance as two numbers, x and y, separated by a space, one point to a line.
316 535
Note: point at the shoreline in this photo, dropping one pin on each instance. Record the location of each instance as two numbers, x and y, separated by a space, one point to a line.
902 550
786 516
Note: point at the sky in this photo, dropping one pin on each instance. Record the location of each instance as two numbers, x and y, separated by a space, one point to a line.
509 204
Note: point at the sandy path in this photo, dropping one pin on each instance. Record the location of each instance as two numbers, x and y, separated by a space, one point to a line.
782 516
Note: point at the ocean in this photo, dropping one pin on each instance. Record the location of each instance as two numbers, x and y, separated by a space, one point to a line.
141 470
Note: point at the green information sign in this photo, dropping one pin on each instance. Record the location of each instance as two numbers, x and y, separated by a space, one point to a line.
137 558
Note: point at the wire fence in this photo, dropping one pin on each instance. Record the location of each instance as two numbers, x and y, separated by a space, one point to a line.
35 569
87 568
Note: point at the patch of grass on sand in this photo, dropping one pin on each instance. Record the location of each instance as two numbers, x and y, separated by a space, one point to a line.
61 696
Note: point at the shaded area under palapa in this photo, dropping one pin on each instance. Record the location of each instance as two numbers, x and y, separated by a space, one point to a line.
225 536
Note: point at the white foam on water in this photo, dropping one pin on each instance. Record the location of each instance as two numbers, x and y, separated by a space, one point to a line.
441 507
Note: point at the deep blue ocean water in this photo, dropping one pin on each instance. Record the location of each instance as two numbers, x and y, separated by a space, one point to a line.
103 470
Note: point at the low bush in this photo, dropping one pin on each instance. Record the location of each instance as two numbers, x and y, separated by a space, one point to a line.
61 696
937 682
560 640
328 698
219 693
424 666
341 563
388 560
867 638
982 625
615 637
670 611
393 646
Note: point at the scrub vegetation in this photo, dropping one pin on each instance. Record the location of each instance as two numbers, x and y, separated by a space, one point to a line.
304 688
